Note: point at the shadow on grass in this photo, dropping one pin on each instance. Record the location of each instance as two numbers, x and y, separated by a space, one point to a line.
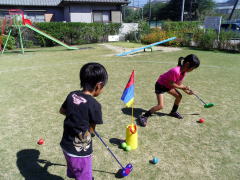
28 165
101 171
136 111
118 175
193 114
48 49
116 142
139 111
213 50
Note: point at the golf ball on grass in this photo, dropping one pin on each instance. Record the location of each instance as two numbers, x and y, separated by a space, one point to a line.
40 141
123 145
128 148
201 120
155 160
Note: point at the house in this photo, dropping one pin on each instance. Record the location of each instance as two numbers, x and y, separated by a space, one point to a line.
226 7
87 11
160 1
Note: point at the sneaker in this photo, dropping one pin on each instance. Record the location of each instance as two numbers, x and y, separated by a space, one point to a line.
176 115
143 121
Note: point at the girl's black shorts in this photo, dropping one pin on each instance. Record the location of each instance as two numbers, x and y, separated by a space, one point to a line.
160 89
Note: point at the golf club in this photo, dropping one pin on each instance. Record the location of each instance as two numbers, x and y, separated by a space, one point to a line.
205 104
125 171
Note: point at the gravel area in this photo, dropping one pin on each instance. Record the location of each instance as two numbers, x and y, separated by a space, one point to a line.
119 49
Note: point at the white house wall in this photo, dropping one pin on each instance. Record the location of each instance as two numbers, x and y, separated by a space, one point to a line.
83 13
80 13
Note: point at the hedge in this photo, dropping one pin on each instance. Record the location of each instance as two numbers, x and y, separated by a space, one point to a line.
191 34
76 33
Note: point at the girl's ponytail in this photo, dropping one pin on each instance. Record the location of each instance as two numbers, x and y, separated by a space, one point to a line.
180 61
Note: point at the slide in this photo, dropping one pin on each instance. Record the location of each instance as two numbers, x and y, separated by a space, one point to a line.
50 37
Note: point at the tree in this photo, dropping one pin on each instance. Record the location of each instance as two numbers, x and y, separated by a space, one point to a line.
131 15
155 8
194 10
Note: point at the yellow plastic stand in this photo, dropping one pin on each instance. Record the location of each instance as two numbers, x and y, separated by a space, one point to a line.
132 136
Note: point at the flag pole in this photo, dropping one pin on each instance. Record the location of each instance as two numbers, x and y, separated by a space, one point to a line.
132 113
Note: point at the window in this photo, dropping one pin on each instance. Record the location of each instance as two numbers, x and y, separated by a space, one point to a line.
36 16
101 16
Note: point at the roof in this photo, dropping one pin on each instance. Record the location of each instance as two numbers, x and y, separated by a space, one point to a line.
228 4
30 2
98 1
55 2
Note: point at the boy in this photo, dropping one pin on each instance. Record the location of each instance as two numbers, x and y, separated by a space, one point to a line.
82 113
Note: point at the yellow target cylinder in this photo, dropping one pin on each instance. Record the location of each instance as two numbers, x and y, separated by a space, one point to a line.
132 136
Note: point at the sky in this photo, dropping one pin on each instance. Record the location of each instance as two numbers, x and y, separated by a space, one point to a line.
142 2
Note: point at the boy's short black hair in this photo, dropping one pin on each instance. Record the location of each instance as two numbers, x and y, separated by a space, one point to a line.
91 74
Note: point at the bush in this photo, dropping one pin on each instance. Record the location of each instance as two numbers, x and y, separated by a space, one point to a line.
28 44
11 41
181 27
238 47
143 28
157 35
191 34
75 33
136 36
133 36
224 40
181 30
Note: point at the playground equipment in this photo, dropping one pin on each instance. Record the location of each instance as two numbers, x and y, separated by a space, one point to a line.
17 20
146 47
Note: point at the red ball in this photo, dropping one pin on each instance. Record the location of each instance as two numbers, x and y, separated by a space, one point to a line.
40 141
201 120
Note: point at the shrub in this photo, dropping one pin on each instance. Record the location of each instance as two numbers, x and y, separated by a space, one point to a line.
75 33
143 28
11 41
206 40
181 26
157 35
181 29
28 44
133 36
224 40
238 47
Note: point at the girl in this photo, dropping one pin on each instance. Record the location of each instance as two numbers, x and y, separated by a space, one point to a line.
170 82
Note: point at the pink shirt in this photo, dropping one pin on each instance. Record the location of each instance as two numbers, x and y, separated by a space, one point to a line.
172 75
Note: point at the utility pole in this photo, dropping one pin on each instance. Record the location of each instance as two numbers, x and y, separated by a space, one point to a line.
183 4
190 10
234 7
149 12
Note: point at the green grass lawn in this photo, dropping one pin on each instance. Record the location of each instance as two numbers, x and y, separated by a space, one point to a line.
128 44
34 85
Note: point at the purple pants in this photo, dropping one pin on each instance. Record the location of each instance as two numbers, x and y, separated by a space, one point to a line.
79 168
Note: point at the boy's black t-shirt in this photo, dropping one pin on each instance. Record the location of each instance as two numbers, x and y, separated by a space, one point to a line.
81 111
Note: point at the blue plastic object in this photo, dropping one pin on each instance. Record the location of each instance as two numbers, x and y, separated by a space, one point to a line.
151 45
126 171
